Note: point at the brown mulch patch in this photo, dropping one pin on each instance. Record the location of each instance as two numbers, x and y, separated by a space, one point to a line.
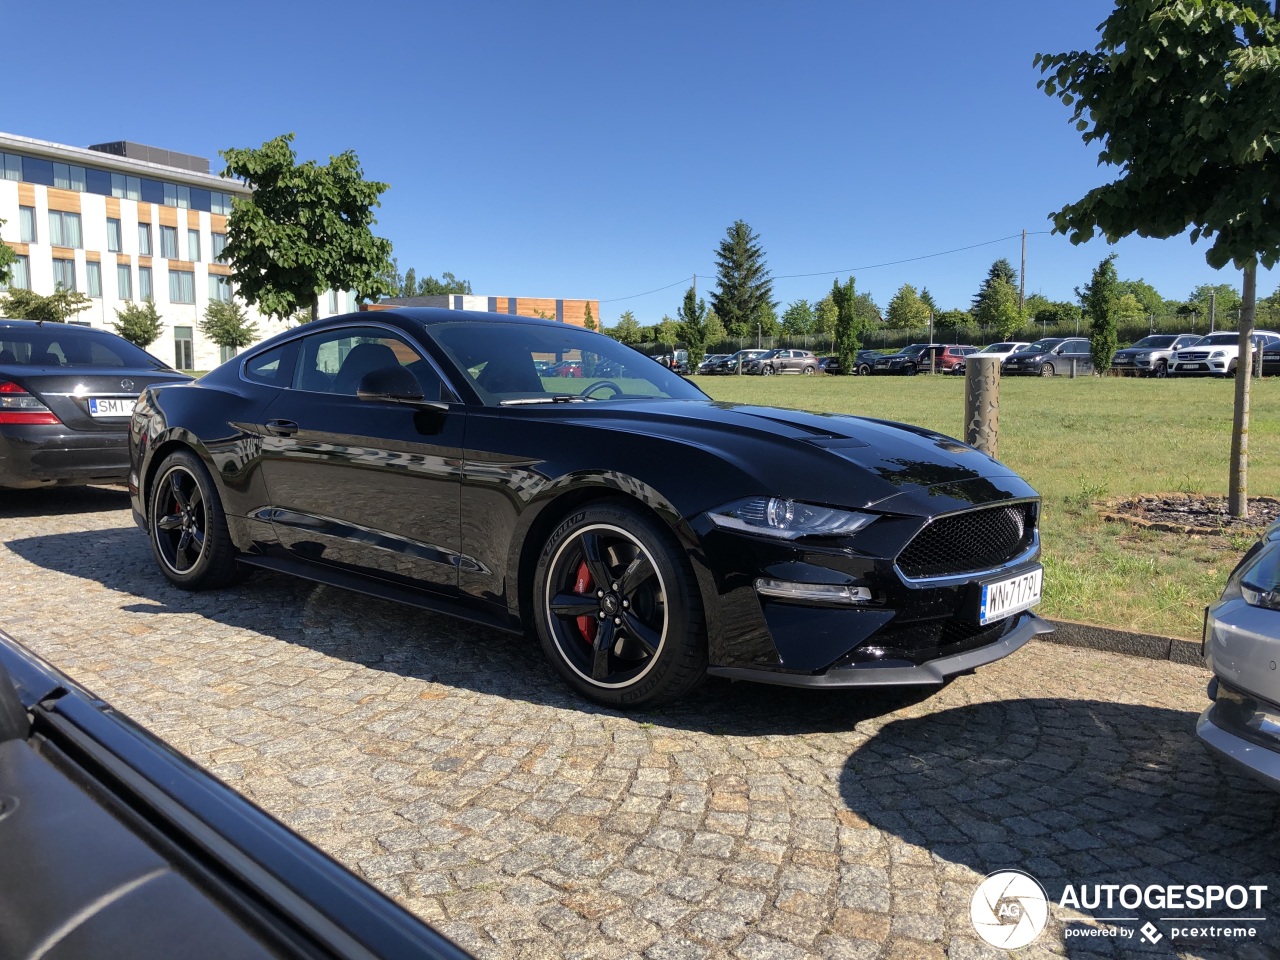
1190 513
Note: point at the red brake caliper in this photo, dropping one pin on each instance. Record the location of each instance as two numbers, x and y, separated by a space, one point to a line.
583 584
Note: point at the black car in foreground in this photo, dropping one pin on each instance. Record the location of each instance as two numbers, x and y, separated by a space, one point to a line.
66 395
647 535
910 360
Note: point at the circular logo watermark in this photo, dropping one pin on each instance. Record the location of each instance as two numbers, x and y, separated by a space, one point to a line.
1009 909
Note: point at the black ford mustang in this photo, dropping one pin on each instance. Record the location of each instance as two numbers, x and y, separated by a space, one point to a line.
648 535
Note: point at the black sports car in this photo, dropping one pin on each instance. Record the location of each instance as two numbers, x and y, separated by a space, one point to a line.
66 394
646 534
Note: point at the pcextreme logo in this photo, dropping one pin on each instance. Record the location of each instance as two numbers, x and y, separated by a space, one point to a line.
1009 909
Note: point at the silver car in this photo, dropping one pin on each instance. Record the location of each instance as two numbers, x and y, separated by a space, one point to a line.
1242 641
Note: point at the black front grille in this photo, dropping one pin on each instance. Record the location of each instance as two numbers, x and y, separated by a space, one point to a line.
966 542
925 640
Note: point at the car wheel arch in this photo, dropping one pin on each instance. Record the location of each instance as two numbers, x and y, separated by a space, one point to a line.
541 521
157 454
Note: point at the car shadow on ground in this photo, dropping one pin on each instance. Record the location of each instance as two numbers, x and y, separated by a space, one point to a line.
414 643
53 501
1072 792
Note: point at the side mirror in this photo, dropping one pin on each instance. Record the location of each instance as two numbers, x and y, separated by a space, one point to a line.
394 385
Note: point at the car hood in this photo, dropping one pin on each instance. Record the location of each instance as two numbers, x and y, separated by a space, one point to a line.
826 458
1134 351
1038 355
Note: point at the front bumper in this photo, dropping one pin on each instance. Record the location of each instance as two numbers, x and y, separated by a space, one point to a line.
897 673
35 455
1232 728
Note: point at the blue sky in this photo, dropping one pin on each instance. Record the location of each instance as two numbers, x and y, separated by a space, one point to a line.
600 150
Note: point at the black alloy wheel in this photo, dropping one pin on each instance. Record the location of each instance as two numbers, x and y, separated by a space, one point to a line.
1046 370
189 537
911 370
1161 371
864 369
617 608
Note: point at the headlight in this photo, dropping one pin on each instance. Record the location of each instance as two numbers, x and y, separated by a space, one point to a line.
1142 356
1257 578
1269 599
787 519
1216 354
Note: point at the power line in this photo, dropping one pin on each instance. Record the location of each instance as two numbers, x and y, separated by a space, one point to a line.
829 273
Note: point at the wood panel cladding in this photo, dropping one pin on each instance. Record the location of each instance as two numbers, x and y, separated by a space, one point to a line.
219 270
27 194
168 216
68 201
144 212
113 208
575 312
92 256
535 306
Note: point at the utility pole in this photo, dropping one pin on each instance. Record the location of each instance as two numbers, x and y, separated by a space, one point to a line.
1022 276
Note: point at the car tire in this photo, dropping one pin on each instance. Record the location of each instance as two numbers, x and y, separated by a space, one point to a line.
808 371
864 369
767 371
1047 370
187 526
1161 370
647 609
910 370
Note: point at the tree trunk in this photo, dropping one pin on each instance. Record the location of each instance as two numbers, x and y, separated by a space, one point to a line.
315 306
1238 478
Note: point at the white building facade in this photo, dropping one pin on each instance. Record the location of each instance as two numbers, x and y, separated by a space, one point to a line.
121 223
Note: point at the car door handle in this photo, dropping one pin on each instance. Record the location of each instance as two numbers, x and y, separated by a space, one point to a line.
282 428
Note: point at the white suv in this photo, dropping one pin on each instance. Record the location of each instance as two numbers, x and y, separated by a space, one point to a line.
1216 355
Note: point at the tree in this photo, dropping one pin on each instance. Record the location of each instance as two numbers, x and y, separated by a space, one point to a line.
1268 310
715 329
139 323
692 326
7 259
906 310
626 330
997 306
825 314
1147 295
797 319
588 320
849 329
54 308
667 332
227 325
1099 301
744 289
1181 95
1222 298
305 229
1001 270
1128 309
927 299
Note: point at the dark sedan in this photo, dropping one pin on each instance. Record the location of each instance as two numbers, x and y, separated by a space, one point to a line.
1271 360
66 395
647 535
910 360
1053 356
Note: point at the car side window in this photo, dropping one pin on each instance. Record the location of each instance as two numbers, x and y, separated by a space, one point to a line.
272 368
335 361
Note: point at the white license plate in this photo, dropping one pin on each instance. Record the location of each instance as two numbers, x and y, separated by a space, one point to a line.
111 406
1003 598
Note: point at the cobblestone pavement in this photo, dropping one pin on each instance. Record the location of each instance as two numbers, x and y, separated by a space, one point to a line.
446 764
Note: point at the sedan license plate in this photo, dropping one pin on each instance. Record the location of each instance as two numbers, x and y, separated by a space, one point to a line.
111 406
1003 598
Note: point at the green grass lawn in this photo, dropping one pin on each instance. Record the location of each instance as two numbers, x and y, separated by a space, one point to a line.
1078 442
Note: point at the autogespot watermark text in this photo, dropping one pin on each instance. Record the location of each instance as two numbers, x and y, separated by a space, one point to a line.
1009 909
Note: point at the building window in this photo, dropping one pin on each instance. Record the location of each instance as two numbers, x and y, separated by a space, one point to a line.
193 245
113 235
126 188
183 349
68 177
176 196
93 274
27 224
218 243
124 281
219 288
182 286
145 290
64 274
144 239
333 301
169 242
226 353
220 203
64 228
10 167
19 274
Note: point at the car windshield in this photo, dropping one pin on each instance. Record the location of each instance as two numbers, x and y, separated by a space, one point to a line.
1218 339
997 348
1156 341
1041 346
500 360
914 348
63 345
